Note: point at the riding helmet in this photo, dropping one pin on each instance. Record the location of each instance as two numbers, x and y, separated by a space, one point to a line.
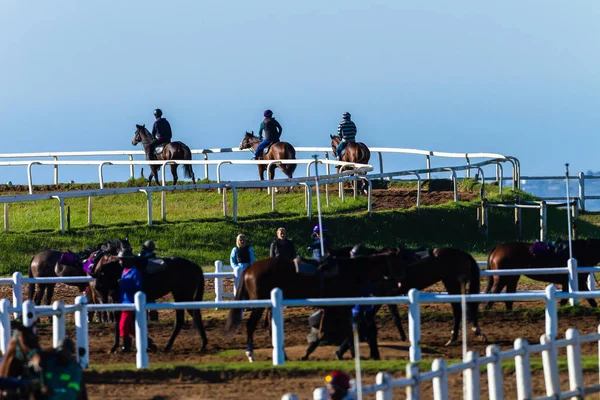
346 115
358 250
268 113
158 113
149 245
125 254
316 229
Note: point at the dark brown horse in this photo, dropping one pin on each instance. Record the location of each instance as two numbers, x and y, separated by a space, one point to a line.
356 152
171 151
25 359
260 278
277 151
182 278
520 255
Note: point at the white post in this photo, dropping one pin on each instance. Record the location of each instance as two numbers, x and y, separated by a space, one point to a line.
131 167
581 192
218 281
414 325
523 371
141 331
320 394
58 323
551 313
237 271
29 315
574 362
440 383
61 206
383 378
163 205
494 370
4 325
550 363
81 331
55 170
573 280
471 377
412 390
90 210
17 293
543 221
277 326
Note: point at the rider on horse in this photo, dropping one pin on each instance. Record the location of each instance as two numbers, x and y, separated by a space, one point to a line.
148 250
272 130
347 131
161 132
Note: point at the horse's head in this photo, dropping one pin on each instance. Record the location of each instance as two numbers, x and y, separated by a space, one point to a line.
248 140
106 275
25 341
141 135
335 140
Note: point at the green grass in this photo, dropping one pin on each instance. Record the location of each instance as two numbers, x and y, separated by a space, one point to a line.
196 228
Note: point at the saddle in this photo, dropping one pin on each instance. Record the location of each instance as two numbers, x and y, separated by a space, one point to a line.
326 268
414 255
159 149
70 259
155 265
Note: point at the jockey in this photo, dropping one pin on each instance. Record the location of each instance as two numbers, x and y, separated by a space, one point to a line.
316 246
147 251
347 131
338 384
272 130
161 132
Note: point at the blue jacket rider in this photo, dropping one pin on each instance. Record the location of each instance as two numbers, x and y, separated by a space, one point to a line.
272 130
316 246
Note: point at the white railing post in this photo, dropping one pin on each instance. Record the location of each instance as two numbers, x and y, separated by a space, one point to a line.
29 314
550 363
543 221
412 391
551 312
494 371
141 330
81 331
289 396
58 323
218 281
90 208
277 326
573 280
574 361
4 325
17 293
523 371
582 192
471 377
414 325
440 383
383 378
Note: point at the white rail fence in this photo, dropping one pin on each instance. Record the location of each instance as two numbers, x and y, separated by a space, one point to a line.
442 374
428 154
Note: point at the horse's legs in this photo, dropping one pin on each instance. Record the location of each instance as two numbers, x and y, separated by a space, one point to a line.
174 173
396 315
456 310
49 293
250 328
583 288
511 287
155 173
179 316
197 319
497 286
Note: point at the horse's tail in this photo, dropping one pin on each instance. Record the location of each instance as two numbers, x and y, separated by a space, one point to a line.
234 319
490 279
365 154
291 167
474 287
188 171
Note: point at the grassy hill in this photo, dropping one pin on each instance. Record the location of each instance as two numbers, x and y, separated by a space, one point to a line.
196 228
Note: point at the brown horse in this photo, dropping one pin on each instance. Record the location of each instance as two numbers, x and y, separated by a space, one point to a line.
260 278
277 151
171 151
25 359
519 255
182 278
356 152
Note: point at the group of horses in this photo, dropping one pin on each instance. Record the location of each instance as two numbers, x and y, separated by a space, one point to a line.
388 272
355 153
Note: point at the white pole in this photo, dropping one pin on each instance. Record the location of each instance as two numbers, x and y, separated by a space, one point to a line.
17 293
141 330
58 323
218 281
569 211
316 157
5 325
277 326
359 394
81 331
414 325
29 316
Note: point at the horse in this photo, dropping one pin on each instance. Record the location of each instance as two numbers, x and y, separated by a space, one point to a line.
356 152
180 277
454 268
25 359
46 264
517 255
257 281
171 151
277 151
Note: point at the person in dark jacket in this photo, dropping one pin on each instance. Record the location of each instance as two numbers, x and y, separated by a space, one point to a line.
282 247
347 131
316 246
161 132
272 130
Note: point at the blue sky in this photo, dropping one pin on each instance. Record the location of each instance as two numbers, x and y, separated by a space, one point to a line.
519 78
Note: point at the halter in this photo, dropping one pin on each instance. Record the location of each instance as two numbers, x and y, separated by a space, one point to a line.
19 350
